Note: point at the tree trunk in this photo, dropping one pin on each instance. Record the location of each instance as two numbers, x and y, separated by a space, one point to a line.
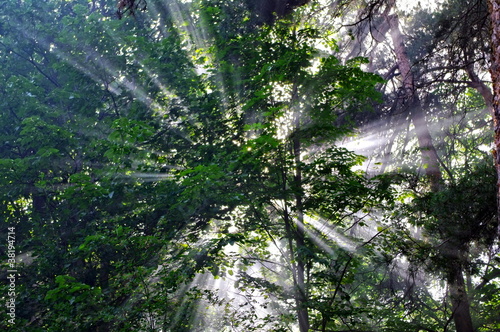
494 9
460 302
430 159
301 294
295 238
412 102
298 274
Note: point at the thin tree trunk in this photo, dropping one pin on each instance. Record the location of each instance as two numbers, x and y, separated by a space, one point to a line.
301 294
412 101
494 9
297 274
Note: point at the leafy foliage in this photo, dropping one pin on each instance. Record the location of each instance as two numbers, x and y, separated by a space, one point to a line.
180 170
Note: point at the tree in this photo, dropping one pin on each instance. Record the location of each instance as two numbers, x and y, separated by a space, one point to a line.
309 108
413 76
493 7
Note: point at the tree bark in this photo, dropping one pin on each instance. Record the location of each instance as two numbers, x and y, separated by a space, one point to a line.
460 302
494 9
301 293
412 101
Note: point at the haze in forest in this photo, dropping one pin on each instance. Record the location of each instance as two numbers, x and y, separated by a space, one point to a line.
284 165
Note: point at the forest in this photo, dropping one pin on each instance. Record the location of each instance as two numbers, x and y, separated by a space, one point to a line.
253 165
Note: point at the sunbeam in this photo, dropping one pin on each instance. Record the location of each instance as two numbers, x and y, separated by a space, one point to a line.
322 226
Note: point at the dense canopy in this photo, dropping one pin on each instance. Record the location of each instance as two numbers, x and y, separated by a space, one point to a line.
221 165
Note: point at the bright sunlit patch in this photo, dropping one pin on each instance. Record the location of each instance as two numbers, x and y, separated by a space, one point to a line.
222 299
485 148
